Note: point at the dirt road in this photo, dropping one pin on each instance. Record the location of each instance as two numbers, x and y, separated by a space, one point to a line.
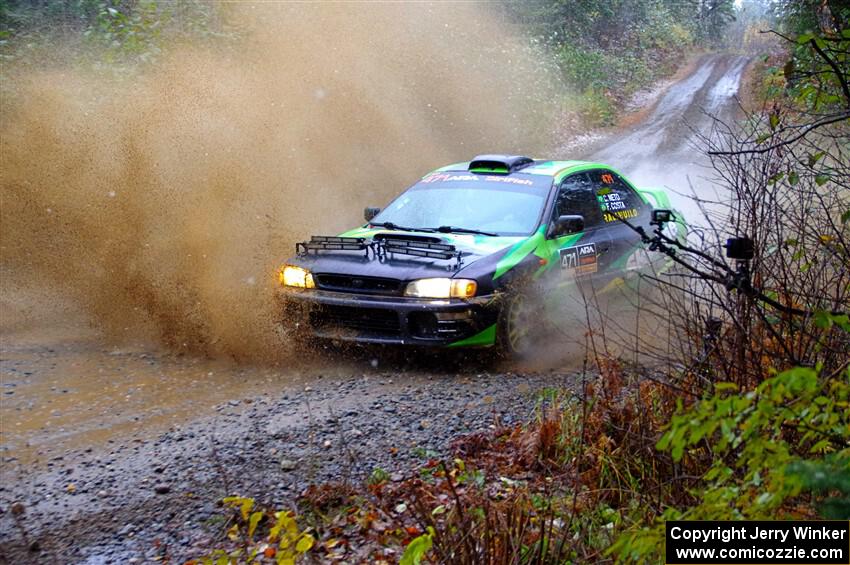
664 149
119 454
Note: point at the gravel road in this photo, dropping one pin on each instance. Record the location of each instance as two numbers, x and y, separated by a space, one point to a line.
145 498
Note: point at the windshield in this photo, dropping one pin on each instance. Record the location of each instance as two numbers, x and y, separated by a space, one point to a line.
500 205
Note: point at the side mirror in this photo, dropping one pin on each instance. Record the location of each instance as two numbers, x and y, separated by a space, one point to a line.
565 225
370 212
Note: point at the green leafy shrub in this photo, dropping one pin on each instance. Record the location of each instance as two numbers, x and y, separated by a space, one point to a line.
260 535
418 548
607 50
768 453
378 476
135 32
104 31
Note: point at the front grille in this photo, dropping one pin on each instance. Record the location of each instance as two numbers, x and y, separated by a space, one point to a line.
361 319
364 285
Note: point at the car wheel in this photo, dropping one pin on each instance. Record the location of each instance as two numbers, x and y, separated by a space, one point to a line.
519 328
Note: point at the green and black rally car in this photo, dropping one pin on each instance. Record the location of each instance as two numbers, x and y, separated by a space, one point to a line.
453 260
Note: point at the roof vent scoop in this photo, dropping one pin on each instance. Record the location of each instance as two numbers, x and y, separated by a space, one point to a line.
503 164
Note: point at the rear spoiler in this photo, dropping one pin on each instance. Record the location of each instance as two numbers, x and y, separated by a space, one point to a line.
656 197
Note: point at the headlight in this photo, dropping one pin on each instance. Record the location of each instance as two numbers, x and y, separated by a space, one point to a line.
441 288
290 275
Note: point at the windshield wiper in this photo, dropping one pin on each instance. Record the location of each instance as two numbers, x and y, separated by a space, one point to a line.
441 229
392 226
455 229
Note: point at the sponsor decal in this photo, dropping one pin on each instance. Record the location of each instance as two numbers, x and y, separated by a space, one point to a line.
448 177
509 180
580 260
620 214
611 202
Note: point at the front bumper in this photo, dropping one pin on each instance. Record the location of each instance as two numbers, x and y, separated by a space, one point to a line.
392 319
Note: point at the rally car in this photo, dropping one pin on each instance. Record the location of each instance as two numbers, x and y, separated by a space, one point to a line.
454 259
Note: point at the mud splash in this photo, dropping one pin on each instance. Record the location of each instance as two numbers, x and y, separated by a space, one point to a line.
163 205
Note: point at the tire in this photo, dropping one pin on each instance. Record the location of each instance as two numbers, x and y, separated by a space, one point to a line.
519 327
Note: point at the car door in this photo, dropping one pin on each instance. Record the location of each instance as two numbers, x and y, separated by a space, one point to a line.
618 200
582 255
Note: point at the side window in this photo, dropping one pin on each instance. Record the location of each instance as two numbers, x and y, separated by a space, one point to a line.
576 197
615 198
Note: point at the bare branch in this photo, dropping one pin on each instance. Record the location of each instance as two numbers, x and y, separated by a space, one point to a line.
805 130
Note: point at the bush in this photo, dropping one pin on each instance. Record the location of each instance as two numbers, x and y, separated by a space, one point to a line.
259 535
608 50
777 452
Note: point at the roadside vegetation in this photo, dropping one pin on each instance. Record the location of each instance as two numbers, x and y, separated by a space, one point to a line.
104 32
607 51
116 39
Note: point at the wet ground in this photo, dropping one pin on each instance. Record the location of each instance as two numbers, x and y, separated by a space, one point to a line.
117 454
152 496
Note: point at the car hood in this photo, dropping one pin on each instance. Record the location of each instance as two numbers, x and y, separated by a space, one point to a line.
405 267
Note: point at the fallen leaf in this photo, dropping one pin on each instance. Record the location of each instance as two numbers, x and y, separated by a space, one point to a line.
380 526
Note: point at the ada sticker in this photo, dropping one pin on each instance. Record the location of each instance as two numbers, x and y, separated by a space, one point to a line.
580 259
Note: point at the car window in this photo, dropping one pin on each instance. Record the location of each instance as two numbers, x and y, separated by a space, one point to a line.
616 199
576 197
505 205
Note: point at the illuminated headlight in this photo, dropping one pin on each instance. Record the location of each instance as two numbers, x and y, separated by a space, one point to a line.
441 288
290 275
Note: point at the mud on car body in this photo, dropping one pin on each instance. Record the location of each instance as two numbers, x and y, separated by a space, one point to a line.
453 260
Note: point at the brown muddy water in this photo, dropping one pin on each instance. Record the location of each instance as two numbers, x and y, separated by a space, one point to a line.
161 204
65 388
143 217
